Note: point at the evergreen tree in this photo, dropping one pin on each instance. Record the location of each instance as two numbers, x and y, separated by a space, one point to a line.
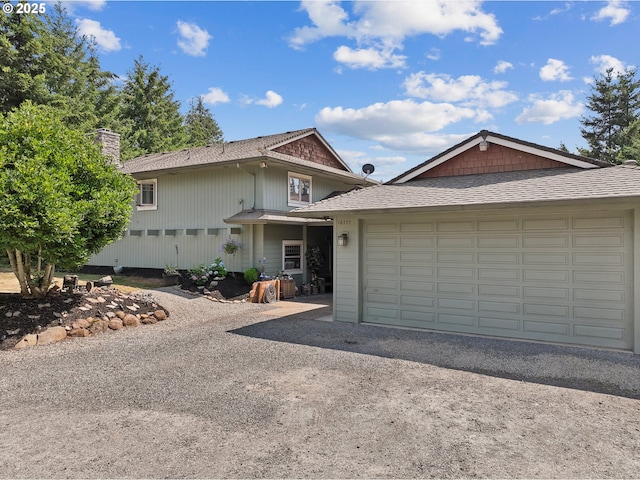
46 61
150 117
631 148
615 102
201 126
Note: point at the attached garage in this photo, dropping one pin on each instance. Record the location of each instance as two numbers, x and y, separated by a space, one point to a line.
510 240
559 278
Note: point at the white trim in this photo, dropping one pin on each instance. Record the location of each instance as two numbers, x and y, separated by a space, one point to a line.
498 141
154 205
293 271
299 176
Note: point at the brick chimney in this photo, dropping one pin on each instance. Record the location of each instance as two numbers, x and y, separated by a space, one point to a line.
110 142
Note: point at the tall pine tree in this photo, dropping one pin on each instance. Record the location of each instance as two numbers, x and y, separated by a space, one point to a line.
47 61
615 103
201 126
149 116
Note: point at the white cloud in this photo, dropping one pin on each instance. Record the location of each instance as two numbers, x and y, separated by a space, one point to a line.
616 11
93 5
555 70
380 28
502 66
605 62
272 99
193 39
401 125
559 106
368 58
105 39
434 54
469 90
215 95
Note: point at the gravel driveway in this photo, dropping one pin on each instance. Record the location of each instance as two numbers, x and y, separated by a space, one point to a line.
244 390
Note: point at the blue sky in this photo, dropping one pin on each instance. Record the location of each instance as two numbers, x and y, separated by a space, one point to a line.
386 82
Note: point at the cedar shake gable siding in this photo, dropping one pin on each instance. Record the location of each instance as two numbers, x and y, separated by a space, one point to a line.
312 149
496 159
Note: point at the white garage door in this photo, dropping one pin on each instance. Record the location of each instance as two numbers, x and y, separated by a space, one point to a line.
559 278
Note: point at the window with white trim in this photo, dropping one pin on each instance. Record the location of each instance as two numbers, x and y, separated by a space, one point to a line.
147 198
299 189
292 256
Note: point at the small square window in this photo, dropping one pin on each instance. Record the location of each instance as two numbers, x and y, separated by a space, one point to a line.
147 198
292 256
299 189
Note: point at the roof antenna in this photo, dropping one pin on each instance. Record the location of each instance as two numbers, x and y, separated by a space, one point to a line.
368 169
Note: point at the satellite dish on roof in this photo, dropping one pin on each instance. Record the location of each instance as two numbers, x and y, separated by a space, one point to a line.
368 169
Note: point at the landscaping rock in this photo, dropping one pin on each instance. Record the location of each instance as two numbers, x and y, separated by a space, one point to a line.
115 324
80 323
27 341
78 332
149 320
52 335
131 321
160 315
120 314
99 326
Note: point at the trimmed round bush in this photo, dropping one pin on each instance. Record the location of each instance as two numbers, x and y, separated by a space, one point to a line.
251 275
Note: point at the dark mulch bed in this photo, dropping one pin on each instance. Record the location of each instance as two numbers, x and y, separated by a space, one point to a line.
21 316
232 287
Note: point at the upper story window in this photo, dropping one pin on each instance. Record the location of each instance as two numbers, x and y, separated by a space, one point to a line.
299 189
147 198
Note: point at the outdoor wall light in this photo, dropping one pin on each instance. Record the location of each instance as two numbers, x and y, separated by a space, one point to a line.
343 240
483 145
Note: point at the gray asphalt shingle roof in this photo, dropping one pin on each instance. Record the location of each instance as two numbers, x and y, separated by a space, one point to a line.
558 184
236 151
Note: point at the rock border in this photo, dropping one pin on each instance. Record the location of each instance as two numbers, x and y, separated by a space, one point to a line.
84 327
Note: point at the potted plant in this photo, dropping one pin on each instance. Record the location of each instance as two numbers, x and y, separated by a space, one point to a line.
171 275
315 260
230 246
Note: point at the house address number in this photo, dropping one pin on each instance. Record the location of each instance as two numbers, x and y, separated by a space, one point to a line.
344 222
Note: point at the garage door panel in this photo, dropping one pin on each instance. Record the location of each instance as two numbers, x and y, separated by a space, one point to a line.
599 277
544 310
546 276
461 288
607 241
456 242
557 277
547 330
498 307
549 293
590 295
485 258
417 258
503 241
456 320
498 291
417 242
500 324
417 286
600 259
545 258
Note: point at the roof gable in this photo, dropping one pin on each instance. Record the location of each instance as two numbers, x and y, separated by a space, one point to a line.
306 148
488 152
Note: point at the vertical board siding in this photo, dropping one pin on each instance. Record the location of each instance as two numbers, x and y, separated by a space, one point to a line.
556 277
190 200
347 277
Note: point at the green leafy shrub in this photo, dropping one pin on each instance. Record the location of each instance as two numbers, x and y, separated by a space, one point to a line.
251 275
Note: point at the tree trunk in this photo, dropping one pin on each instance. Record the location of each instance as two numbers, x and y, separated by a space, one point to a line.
21 267
17 265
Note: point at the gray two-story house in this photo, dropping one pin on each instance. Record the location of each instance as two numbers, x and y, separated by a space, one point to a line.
192 201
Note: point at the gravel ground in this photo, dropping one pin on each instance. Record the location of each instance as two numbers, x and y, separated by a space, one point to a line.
255 391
